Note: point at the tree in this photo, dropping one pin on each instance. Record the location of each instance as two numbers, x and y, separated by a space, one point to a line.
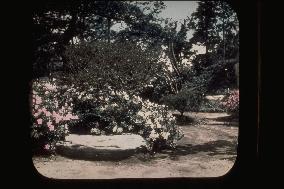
116 66
56 25
216 27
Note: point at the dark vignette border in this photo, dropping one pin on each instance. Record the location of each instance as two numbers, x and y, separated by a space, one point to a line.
244 169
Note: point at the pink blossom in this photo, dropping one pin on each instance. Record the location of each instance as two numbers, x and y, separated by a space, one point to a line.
44 110
75 117
47 147
68 117
57 117
47 113
38 100
39 121
54 114
50 87
51 127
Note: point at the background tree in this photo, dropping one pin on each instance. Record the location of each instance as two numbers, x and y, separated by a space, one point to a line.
216 28
56 25
116 66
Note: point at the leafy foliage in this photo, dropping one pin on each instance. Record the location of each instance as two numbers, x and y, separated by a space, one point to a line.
120 66
186 100
57 25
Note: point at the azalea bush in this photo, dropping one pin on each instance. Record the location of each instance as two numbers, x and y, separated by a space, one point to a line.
56 112
51 115
117 112
231 102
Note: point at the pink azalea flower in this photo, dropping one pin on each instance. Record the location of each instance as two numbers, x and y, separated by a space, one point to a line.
54 114
39 121
58 118
47 113
75 117
49 124
46 147
51 127
44 110
38 100
68 117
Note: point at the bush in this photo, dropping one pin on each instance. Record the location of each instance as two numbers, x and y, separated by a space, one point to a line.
185 100
231 102
100 112
211 106
118 112
51 115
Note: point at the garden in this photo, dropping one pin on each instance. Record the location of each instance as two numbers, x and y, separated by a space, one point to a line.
139 98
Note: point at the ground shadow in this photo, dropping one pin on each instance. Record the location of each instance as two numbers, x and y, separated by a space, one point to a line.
219 147
229 118
228 124
81 152
182 120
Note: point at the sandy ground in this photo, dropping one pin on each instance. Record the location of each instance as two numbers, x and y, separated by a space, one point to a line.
208 149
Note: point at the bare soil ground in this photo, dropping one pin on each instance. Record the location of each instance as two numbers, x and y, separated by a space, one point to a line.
208 149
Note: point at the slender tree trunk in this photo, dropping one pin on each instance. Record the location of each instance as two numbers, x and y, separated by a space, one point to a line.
174 60
174 65
223 28
108 29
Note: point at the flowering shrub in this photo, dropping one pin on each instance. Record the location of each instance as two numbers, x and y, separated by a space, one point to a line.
118 112
51 115
231 102
101 112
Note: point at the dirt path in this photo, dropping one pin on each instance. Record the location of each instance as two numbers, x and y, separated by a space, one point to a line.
208 149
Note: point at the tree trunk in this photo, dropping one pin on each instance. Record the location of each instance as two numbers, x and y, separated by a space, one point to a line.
108 29
223 28
174 61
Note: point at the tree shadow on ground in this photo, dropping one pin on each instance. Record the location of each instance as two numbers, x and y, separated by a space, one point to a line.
229 118
184 120
230 121
219 147
228 124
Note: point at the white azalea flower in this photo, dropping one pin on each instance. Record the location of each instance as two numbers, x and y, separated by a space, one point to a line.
119 130
153 135
165 135
159 125
114 129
